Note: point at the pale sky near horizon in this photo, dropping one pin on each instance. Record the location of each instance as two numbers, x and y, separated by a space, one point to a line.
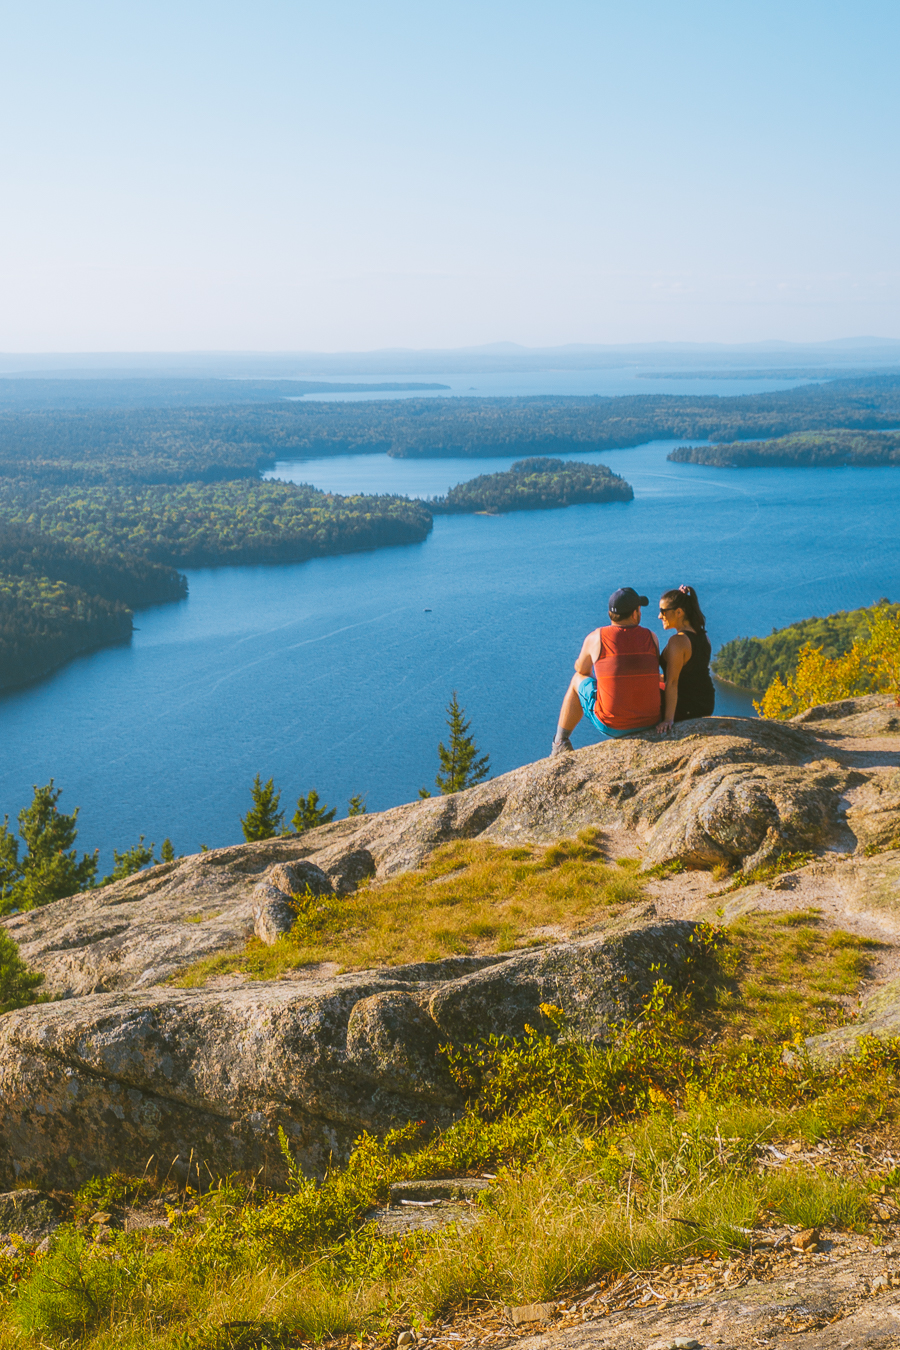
346 176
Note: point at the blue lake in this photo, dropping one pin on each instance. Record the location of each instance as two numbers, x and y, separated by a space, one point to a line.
335 674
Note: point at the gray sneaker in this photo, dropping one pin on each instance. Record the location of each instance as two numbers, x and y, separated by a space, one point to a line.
563 747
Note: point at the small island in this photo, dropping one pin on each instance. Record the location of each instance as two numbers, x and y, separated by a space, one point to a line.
803 449
535 484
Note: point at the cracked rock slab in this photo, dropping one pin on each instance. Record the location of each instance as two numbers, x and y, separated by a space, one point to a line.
114 1082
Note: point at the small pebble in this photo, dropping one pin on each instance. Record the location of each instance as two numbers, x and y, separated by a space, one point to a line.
806 1240
405 1338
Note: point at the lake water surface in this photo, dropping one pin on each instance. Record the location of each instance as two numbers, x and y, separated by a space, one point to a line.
335 673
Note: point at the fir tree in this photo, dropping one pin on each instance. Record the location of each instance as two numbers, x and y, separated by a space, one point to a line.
309 813
51 867
131 861
17 981
263 819
357 806
461 766
167 852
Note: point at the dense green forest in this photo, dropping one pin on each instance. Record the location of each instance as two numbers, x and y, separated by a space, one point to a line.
170 445
43 623
534 485
59 597
205 524
75 561
95 567
802 449
752 663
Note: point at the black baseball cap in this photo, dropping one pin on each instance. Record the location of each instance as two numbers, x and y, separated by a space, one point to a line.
625 601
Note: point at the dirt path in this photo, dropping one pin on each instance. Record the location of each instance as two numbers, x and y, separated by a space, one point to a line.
844 1294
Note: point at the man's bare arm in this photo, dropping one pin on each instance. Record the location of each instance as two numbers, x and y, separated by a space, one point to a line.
590 650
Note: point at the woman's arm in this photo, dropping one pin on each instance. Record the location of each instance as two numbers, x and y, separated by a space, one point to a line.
678 652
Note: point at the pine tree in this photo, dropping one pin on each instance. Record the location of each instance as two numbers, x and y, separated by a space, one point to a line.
357 806
10 871
131 861
263 820
461 765
51 867
309 813
167 852
17 981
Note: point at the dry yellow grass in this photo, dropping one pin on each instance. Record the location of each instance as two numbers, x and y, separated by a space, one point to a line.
470 897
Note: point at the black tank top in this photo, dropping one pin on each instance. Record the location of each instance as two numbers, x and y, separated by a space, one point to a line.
696 691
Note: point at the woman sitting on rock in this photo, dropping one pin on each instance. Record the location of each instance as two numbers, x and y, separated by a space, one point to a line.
685 659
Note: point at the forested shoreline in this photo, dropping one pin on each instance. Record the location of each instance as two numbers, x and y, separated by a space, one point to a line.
215 443
59 598
75 561
99 508
753 663
214 524
803 449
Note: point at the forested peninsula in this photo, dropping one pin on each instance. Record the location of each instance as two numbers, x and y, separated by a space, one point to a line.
801 450
211 524
752 663
75 561
59 598
535 484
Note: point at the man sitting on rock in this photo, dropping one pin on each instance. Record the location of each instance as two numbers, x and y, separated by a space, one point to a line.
616 685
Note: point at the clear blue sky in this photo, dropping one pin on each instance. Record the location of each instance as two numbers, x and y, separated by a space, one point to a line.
349 175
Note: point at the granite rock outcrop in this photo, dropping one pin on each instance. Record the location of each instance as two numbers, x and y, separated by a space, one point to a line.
125 1069
723 790
176 1078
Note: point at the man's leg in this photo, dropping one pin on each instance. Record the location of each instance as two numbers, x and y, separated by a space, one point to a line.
570 714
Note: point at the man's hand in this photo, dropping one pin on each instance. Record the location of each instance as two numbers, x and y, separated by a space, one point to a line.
663 728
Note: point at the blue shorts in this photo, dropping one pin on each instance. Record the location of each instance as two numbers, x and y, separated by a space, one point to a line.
587 694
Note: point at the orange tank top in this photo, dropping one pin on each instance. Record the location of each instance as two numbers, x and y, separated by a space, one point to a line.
627 675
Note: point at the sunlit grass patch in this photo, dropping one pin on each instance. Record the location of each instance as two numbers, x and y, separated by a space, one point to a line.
790 974
608 1158
471 896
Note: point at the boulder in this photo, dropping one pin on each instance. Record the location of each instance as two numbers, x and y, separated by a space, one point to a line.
725 790
275 899
180 1078
29 1214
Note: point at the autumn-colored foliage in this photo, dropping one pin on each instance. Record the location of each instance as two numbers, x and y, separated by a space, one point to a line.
871 666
